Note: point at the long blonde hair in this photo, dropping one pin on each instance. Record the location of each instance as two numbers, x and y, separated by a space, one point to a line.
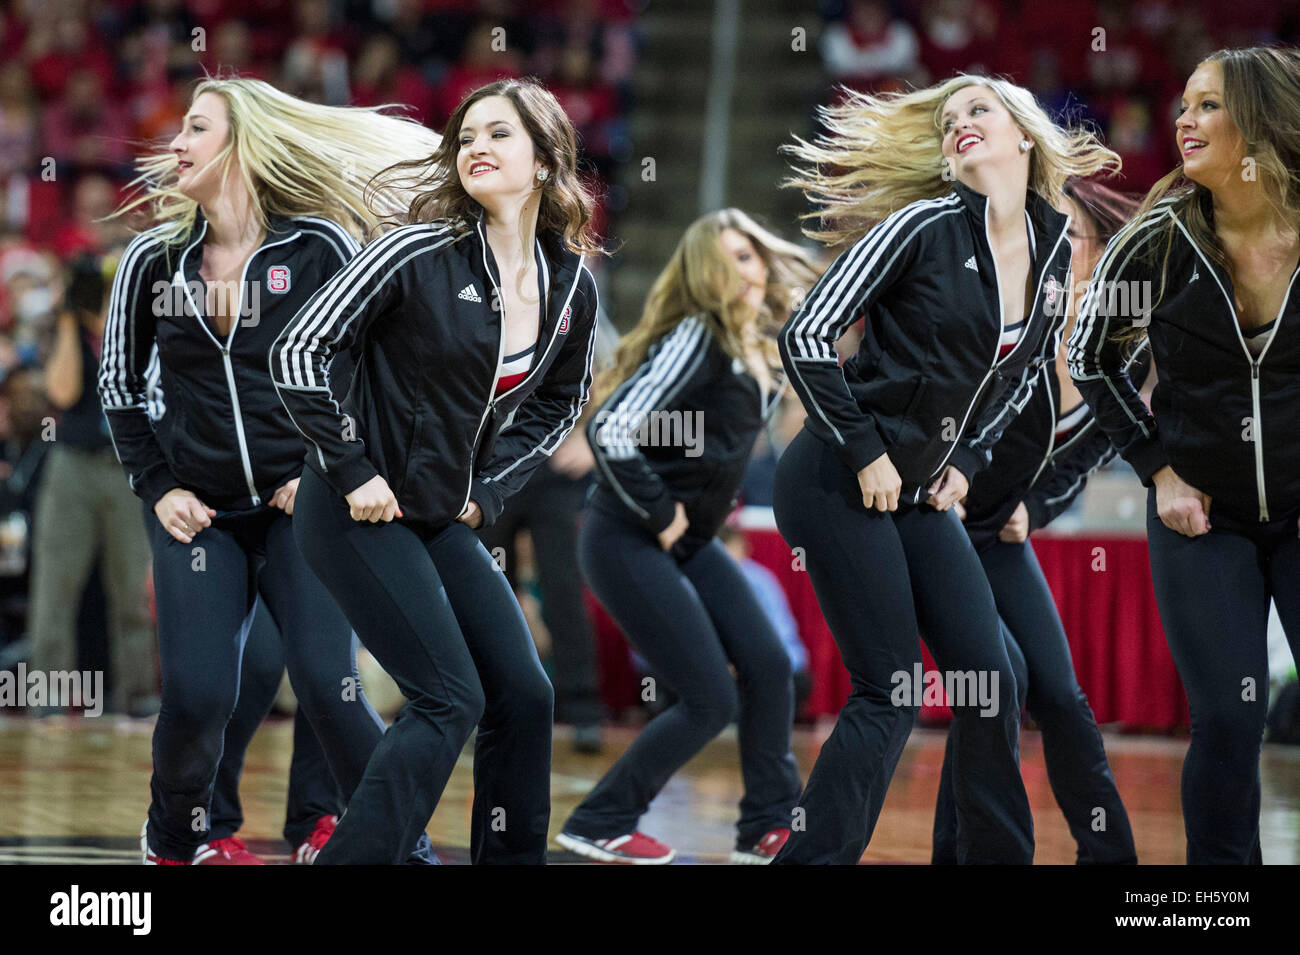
881 153
296 159
701 279
568 205
1261 92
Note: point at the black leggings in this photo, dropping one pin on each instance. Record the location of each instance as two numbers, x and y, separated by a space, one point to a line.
547 507
205 593
1213 592
881 579
690 620
442 621
312 790
1072 747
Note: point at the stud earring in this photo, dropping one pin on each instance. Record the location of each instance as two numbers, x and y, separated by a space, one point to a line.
541 175
1024 145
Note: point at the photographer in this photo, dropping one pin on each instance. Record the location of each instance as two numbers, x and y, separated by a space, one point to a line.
85 509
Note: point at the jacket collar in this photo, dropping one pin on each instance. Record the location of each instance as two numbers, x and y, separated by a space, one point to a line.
557 268
278 226
1048 222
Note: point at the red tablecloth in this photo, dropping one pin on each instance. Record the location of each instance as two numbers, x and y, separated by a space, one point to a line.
1102 586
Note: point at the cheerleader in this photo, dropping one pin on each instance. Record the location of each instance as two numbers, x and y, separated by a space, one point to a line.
1207 274
474 325
703 361
249 201
1039 467
958 281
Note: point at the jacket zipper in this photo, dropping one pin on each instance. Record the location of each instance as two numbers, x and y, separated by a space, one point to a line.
1255 364
997 281
1051 440
244 456
493 397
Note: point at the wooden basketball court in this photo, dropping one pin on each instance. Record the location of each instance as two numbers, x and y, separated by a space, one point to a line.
76 791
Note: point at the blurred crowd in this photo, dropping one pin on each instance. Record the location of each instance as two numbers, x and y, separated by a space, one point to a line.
1118 63
86 85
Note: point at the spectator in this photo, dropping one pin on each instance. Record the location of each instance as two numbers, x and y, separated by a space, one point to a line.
93 198
85 509
85 128
488 56
950 43
18 132
381 77
315 65
870 50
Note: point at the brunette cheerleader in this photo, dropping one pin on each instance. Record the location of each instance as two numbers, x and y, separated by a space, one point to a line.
475 325
1207 273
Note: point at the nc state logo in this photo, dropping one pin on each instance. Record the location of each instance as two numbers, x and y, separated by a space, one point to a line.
1053 289
564 321
277 279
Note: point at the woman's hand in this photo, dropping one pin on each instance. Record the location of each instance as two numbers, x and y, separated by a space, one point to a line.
1181 507
671 534
373 501
284 497
1017 529
472 515
880 484
182 514
573 458
950 488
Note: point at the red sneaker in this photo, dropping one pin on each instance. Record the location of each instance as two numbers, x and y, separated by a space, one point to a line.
635 848
314 843
764 852
151 857
228 851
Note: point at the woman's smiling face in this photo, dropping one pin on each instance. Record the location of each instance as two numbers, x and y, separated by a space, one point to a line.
496 158
978 130
204 133
1208 140
753 271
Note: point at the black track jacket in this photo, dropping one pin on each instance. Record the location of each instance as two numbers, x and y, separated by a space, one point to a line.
926 384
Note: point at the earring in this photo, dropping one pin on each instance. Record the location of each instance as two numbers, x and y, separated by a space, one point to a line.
1024 145
541 175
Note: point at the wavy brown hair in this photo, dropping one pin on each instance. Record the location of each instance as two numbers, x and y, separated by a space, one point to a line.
1261 92
701 279
568 204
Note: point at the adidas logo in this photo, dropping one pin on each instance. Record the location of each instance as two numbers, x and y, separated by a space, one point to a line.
970 264
469 293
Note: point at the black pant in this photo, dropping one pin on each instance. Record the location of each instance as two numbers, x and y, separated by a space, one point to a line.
547 508
1072 747
1213 592
205 593
690 619
312 790
882 578
442 621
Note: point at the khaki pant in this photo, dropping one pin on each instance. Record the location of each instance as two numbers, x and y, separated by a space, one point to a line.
85 508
